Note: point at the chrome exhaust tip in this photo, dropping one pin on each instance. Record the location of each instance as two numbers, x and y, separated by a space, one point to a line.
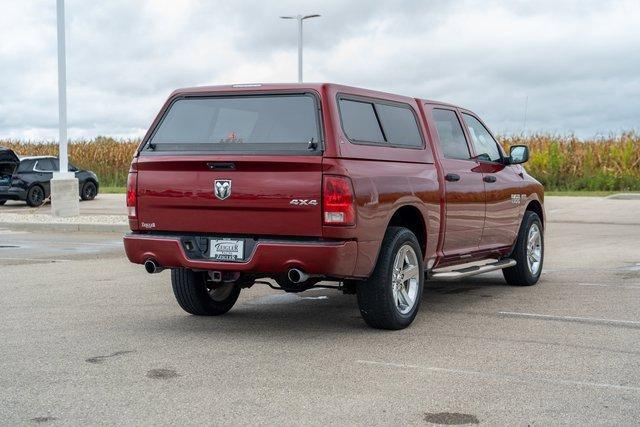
152 266
297 276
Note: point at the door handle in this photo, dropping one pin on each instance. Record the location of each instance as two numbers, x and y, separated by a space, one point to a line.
221 165
452 177
489 178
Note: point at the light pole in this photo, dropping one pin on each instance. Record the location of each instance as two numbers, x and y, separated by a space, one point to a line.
64 185
300 18
62 89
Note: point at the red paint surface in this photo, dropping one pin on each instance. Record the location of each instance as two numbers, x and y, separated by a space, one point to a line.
335 259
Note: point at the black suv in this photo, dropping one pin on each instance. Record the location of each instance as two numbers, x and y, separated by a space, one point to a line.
27 178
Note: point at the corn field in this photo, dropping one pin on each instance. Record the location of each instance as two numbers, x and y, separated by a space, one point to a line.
560 163
107 157
611 164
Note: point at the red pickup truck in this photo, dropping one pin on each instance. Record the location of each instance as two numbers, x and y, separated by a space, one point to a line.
303 183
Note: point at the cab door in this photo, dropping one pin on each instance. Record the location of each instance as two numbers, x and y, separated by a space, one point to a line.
43 172
502 186
464 187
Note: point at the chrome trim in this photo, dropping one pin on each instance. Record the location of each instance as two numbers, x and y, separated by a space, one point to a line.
471 270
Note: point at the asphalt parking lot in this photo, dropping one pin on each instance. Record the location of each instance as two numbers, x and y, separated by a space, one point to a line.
87 338
103 204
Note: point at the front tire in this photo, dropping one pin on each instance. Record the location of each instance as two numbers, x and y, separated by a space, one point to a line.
390 298
528 253
196 294
2 202
89 191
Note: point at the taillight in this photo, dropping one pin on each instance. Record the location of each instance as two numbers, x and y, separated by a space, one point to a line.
338 201
132 184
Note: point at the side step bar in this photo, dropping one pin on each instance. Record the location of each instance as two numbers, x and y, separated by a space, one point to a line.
456 272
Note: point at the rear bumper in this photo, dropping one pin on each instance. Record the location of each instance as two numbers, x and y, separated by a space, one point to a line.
12 193
329 258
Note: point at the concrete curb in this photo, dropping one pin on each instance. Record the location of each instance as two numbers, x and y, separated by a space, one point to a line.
65 227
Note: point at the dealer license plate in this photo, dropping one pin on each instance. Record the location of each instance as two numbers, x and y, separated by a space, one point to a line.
226 249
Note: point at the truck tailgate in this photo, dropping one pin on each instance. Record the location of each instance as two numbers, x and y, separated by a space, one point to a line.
268 196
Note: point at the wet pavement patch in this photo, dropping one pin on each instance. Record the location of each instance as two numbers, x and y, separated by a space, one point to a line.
634 267
100 359
161 374
450 418
42 419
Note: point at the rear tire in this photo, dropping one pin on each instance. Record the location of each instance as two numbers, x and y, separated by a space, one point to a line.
35 196
528 253
390 298
197 295
2 202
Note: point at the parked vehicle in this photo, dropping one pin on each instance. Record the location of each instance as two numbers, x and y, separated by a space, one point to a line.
27 178
308 182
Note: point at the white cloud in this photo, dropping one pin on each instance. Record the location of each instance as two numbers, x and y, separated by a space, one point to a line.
575 61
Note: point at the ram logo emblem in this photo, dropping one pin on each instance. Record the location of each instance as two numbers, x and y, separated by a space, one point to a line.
222 188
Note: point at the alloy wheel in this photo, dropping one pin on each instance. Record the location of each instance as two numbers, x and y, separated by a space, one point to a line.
534 249
89 191
405 279
37 195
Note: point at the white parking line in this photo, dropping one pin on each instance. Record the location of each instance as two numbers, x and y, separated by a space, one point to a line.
71 242
39 243
503 376
602 285
571 318
9 231
34 259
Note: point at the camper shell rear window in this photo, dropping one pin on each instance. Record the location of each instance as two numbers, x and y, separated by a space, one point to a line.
264 123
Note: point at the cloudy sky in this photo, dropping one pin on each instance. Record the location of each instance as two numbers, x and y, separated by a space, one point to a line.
574 64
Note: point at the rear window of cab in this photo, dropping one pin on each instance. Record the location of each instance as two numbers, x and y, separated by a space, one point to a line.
379 123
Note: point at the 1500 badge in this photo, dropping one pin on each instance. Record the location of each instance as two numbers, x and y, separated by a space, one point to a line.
516 199
304 202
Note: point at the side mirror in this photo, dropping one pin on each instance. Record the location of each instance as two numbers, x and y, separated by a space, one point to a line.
518 154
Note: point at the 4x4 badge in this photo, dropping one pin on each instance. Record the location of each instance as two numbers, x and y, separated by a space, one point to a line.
222 188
